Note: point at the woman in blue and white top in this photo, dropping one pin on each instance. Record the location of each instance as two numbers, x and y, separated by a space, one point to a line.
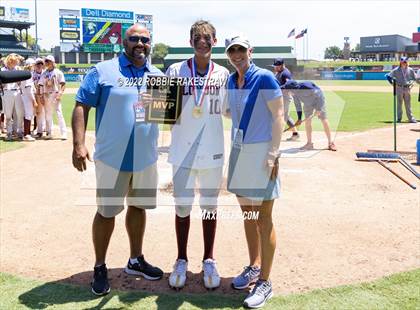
256 109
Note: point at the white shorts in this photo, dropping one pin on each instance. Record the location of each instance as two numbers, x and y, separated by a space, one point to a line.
114 186
249 176
206 181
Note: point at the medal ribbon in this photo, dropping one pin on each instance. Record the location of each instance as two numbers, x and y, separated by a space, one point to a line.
199 97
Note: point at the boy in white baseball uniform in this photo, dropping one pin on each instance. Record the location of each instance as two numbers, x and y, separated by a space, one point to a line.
12 99
28 98
52 85
39 120
197 151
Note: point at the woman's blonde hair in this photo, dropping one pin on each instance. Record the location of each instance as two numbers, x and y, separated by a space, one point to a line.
13 58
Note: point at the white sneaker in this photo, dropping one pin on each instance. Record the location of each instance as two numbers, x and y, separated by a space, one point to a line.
28 138
63 136
210 275
259 295
179 275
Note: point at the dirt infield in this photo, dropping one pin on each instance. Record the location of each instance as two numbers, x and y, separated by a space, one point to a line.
338 221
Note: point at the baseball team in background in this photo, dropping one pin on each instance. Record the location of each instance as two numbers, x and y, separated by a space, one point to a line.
33 101
256 100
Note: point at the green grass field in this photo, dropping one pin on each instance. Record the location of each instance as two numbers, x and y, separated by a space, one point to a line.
399 291
339 63
352 83
10 146
347 111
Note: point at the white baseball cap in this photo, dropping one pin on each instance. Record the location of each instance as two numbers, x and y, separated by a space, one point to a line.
237 40
39 61
50 58
29 62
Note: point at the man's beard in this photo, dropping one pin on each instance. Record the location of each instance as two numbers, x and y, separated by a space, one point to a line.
139 56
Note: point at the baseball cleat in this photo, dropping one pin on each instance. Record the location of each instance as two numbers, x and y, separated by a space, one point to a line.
179 274
293 137
48 136
28 138
307 147
332 147
211 277
248 276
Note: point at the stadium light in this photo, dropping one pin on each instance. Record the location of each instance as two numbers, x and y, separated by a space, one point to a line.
36 28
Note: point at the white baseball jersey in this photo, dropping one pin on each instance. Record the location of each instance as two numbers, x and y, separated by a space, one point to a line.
36 77
198 143
10 86
51 80
27 87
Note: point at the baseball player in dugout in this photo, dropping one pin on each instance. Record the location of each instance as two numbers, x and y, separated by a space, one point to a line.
197 150
125 152
52 85
404 78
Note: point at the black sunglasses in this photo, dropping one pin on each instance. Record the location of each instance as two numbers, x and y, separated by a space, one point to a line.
136 39
238 48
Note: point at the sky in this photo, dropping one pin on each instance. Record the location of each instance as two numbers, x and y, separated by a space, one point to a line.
265 23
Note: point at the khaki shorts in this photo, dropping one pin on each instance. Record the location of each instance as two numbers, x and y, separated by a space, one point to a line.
114 186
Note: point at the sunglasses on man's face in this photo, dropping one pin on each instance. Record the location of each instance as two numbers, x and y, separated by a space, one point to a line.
136 39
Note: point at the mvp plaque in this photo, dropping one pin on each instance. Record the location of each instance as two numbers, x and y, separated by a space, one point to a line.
166 104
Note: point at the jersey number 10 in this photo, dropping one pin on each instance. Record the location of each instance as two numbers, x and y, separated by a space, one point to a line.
214 106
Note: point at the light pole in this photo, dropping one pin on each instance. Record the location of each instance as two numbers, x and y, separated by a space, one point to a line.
36 28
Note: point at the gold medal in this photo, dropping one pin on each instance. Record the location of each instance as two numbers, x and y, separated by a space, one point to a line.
197 112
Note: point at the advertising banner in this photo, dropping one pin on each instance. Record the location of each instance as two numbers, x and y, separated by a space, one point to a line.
67 47
102 48
19 14
70 35
146 21
66 22
66 12
104 27
101 32
107 15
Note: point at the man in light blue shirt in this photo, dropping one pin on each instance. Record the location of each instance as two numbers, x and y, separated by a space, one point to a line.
125 151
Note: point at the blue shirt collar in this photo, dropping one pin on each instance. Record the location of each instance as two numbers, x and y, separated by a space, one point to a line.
125 62
248 73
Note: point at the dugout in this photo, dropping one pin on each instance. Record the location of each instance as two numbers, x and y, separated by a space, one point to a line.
11 38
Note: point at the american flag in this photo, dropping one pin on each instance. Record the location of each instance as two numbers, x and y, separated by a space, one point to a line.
302 33
291 33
